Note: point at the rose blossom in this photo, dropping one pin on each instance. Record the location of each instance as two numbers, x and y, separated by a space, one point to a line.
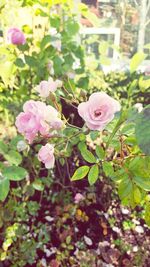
37 118
15 36
78 197
98 111
45 87
46 155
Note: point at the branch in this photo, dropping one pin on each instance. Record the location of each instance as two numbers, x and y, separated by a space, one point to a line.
147 23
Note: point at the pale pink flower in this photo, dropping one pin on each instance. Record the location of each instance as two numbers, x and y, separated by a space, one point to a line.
46 155
99 110
57 44
15 36
37 118
78 197
45 87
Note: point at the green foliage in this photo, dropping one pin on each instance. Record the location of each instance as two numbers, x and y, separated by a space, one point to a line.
142 130
4 187
147 213
14 173
100 152
93 174
80 173
88 156
136 61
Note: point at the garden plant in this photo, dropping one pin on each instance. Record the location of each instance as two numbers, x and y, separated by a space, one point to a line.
74 148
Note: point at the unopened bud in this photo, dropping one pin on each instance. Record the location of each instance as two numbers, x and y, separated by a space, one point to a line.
83 94
52 97
21 145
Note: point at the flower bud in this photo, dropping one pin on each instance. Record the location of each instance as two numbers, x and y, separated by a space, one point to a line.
21 145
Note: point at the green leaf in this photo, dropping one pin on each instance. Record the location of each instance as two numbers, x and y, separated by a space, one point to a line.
4 188
119 175
103 48
137 195
144 183
140 166
89 15
105 60
57 65
6 71
3 148
100 152
14 173
136 61
108 169
38 185
125 188
147 213
94 135
55 21
72 27
144 84
80 173
45 41
142 130
93 174
31 61
19 63
82 146
88 156
13 157
132 87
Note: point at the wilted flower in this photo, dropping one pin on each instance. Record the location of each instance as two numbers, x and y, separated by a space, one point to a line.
98 111
15 36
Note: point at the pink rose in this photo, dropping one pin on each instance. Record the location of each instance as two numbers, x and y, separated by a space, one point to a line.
45 87
78 197
15 36
37 118
98 111
46 155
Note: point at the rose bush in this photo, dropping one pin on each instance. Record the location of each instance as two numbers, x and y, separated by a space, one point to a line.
67 134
